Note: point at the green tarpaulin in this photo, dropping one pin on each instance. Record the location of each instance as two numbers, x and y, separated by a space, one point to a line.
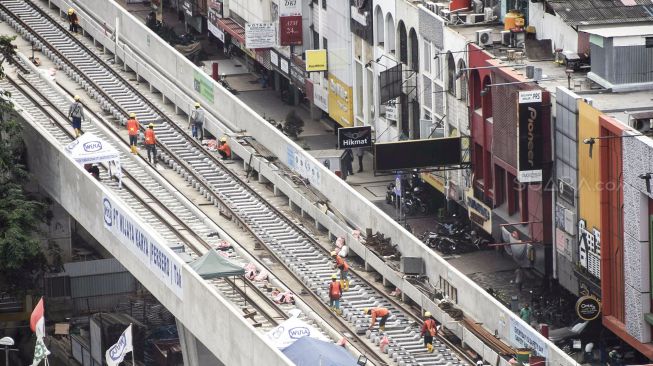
213 265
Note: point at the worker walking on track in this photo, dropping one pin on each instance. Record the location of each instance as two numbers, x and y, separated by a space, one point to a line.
335 293
197 122
342 265
76 114
224 149
132 129
379 312
73 21
429 331
150 143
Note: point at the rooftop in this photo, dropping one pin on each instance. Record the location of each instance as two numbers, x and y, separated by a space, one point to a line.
589 12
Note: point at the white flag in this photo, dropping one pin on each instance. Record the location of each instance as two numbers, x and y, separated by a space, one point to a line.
117 352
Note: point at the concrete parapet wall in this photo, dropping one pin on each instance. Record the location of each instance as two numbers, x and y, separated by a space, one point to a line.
146 54
201 309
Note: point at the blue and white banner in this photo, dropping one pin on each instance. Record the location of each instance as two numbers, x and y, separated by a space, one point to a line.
116 353
526 337
156 256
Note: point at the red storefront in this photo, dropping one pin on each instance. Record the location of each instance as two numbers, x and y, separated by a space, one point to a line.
493 93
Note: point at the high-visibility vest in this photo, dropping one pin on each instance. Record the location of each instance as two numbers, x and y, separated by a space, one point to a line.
132 127
150 139
224 147
341 264
334 290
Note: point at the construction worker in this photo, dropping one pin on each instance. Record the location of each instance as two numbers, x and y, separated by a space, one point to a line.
342 265
335 293
76 114
429 331
224 149
150 143
379 312
73 21
132 129
197 121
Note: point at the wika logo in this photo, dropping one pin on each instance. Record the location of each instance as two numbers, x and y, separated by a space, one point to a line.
296 333
92 146
118 349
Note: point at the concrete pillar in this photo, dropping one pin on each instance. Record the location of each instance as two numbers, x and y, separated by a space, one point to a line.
60 231
188 344
163 96
138 78
262 179
386 283
277 191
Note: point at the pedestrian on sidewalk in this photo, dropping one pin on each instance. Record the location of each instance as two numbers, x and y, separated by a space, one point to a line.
224 149
132 129
525 314
348 159
150 143
379 312
342 265
429 331
519 280
73 21
360 151
335 293
76 114
197 122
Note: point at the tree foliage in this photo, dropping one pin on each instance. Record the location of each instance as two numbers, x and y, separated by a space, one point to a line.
20 214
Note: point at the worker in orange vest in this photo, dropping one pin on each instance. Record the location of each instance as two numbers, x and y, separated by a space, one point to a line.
224 149
342 265
132 129
379 312
335 293
429 331
150 143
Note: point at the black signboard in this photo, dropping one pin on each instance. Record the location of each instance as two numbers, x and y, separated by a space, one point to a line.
588 307
566 192
354 137
417 154
530 137
390 82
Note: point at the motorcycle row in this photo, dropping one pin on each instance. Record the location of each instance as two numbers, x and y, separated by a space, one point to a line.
454 238
413 197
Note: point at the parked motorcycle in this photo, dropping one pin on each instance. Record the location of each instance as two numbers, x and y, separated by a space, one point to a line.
226 85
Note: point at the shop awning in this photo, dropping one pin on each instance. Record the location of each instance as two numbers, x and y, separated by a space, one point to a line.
230 26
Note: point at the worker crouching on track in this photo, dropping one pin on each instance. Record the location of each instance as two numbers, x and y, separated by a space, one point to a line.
224 149
429 331
132 129
335 293
76 114
150 143
379 312
342 265
73 21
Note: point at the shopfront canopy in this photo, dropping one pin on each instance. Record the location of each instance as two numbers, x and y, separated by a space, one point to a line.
212 265
309 351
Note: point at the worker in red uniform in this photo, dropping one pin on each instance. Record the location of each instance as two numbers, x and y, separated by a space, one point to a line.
379 312
150 143
224 149
73 21
132 129
342 265
429 331
335 293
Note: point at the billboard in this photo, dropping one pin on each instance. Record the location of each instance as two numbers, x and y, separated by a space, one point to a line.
354 137
290 30
417 154
341 105
529 137
260 35
316 60
289 8
390 82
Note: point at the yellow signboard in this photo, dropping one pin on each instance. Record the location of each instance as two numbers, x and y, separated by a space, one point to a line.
316 60
341 105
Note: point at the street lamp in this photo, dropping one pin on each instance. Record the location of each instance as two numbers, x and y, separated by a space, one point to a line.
7 342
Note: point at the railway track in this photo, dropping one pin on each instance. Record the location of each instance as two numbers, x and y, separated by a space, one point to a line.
287 240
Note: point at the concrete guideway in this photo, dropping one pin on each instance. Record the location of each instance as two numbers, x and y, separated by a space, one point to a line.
472 299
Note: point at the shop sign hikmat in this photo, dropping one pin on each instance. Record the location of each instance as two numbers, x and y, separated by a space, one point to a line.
529 137
354 137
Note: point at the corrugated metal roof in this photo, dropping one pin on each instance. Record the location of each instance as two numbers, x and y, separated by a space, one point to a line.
92 268
619 31
587 12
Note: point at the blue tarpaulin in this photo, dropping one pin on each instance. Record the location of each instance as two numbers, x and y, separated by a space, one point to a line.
308 351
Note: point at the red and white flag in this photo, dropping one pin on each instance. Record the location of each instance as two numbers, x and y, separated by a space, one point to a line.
37 320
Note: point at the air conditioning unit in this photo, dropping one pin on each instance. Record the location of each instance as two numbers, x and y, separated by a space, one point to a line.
431 6
446 14
474 18
642 125
506 38
489 14
484 37
477 6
